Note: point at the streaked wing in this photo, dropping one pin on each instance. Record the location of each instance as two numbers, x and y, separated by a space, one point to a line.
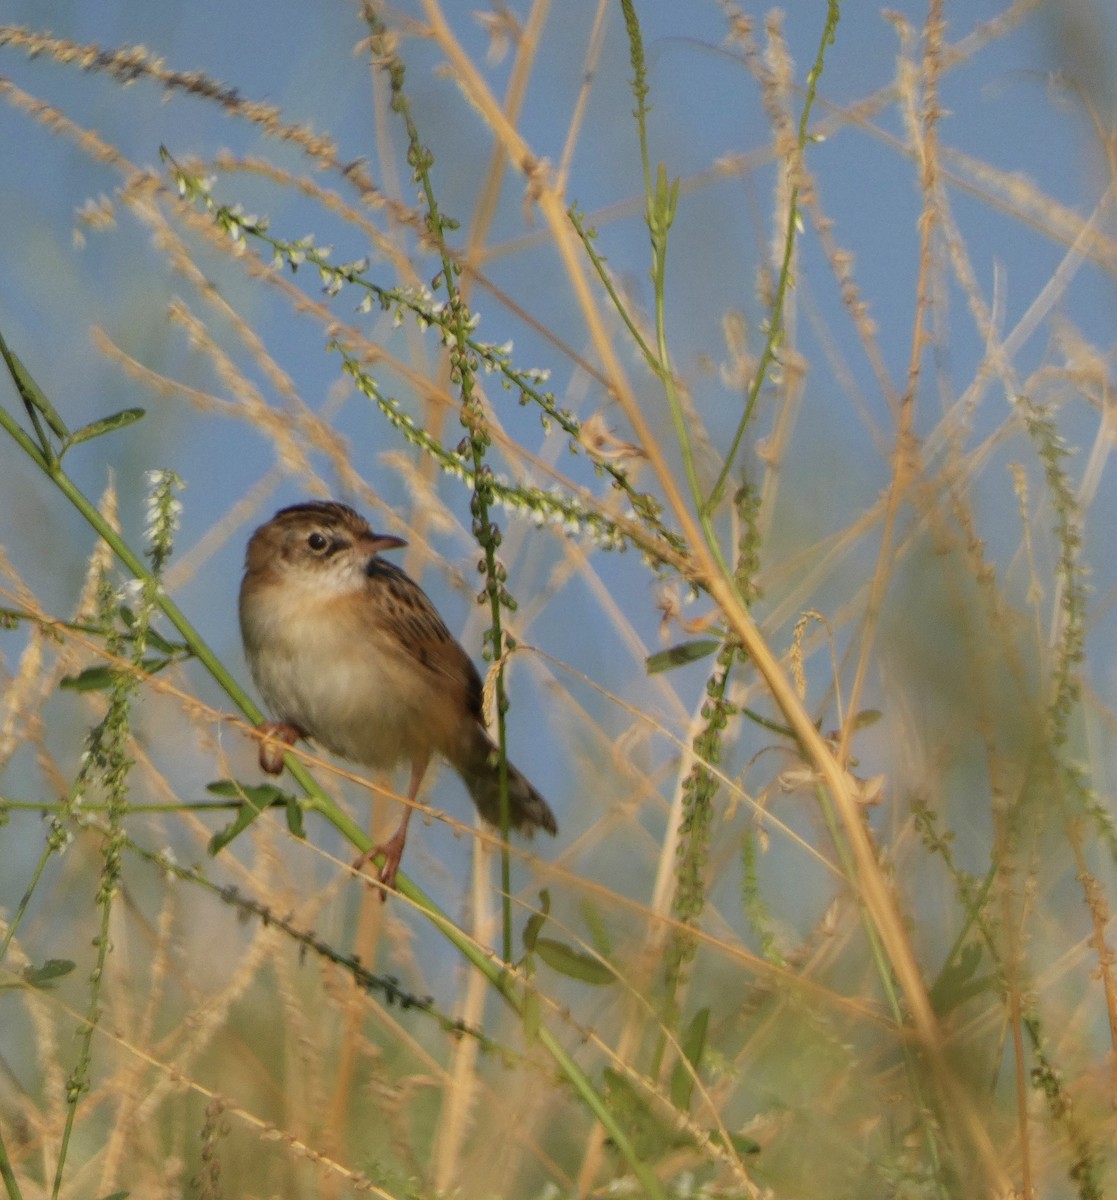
414 624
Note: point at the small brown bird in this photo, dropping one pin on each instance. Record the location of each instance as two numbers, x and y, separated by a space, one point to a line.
347 649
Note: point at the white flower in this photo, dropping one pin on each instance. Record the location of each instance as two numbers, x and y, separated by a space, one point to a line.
130 593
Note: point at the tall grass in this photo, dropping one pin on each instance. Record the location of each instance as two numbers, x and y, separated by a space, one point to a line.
791 590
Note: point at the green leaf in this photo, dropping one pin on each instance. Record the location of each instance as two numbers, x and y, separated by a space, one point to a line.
118 420
92 679
626 1100
154 637
651 1136
46 975
867 717
693 1047
957 982
254 798
32 395
740 1143
160 643
680 655
536 921
233 789
568 961
295 818
117 1196
599 931
98 679
666 199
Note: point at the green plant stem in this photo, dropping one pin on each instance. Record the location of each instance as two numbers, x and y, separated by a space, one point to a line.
513 996
201 651
660 199
107 760
884 973
11 1186
92 806
659 210
597 261
689 898
463 364
775 321
49 849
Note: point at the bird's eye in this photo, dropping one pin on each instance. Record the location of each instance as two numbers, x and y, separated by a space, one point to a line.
317 542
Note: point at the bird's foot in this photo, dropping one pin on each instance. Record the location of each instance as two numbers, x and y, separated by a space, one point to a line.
277 736
392 850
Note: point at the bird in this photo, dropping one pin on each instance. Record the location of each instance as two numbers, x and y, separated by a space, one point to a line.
347 649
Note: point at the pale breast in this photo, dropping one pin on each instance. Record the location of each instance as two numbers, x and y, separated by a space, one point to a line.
322 667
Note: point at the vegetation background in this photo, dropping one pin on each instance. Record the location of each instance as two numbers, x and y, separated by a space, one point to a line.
822 303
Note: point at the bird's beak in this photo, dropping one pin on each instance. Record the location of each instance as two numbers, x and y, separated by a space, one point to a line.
375 542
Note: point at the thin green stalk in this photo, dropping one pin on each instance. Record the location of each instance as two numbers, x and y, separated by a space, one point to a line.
660 201
587 235
107 762
884 973
200 650
55 841
775 321
463 364
689 899
653 1189
61 806
11 1186
505 985
665 200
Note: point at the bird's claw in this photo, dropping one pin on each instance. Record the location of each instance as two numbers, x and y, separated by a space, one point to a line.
392 850
277 737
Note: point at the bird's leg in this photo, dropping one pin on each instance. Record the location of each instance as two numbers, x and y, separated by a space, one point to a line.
271 753
392 849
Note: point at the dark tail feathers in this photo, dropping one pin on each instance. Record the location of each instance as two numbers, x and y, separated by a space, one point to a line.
477 765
